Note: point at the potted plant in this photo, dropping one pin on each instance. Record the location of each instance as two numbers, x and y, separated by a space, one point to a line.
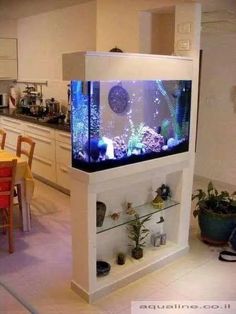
137 233
216 212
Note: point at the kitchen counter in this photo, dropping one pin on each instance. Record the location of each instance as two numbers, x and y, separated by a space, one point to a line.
13 113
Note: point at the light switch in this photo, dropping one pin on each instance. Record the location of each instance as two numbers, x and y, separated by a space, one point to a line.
183 44
184 28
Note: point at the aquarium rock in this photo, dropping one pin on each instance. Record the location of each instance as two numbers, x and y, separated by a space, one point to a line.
152 141
164 147
172 142
120 149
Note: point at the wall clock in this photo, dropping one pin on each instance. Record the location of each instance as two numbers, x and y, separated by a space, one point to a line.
118 99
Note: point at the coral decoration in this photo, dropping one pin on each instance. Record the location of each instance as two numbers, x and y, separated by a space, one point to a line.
152 141
120 149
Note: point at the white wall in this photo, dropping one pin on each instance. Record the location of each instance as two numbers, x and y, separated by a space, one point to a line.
216 145
44 37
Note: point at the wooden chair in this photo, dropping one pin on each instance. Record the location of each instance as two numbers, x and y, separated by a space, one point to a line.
2 138
7 182
25 146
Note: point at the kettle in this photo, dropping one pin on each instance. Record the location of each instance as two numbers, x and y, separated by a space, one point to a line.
53 106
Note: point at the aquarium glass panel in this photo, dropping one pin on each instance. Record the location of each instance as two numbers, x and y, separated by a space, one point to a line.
116 123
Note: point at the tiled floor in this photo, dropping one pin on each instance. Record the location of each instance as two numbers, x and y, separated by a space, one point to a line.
40 269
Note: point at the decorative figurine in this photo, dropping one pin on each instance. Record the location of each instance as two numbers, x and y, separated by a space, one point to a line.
130 210
161 220
115 215
158 200
164 191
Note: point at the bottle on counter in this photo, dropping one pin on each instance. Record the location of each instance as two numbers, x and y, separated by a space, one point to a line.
13 98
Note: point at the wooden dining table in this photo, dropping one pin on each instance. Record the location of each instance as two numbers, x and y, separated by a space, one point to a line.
23 177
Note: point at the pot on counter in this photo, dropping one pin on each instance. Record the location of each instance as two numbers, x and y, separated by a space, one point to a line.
3 100
53 106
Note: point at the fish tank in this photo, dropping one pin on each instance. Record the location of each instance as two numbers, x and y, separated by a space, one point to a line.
116 123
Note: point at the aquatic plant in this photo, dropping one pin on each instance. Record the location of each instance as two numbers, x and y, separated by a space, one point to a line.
135 140
94 109
182 107
165 126
176 127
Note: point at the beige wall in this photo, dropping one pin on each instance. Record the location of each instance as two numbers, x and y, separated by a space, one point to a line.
216 145
118 22
44 37
163 33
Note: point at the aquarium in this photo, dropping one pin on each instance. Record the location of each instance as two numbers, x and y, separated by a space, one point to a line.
116 123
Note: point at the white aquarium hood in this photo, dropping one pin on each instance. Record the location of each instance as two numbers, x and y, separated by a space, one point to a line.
106 66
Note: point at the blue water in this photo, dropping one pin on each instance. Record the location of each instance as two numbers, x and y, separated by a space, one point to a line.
115 123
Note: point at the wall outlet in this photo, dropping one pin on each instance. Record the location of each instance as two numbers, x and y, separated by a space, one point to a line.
183 44
184 28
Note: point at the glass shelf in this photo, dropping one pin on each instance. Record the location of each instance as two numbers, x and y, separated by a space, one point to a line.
142 210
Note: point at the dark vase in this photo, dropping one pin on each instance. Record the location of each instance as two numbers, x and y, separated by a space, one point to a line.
120 259
137 253
101 211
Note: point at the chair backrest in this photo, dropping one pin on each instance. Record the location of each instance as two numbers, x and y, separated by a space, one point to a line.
2 138
22 142
7 182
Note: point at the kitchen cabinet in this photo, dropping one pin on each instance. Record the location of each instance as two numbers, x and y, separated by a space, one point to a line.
13 128
52 155
63 158
44 153
8 58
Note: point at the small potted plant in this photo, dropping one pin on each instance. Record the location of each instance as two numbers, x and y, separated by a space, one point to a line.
137 233
216 212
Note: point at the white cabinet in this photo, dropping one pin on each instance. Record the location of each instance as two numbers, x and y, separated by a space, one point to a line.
44 154
52 155
63 158
8 49
8 58
137 184
13 128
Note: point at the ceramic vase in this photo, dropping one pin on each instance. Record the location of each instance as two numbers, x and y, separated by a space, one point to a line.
101 211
